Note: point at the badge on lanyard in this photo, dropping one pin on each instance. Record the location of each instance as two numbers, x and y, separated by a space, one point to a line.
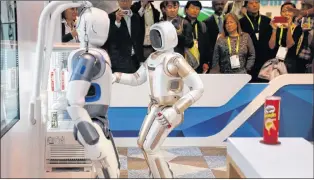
259 22
257 36
282 51
234 60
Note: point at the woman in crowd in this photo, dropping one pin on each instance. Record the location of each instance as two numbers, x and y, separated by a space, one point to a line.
69 33
285 38
234 51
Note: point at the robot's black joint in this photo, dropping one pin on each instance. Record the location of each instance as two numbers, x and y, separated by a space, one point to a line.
75 135
88 132
104 125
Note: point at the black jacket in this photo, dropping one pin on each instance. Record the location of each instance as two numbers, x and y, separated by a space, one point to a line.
119 44
212 34
202 42
65 37
135 8
185 38
265 30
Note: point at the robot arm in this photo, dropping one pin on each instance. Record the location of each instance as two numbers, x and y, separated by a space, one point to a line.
180 67
89 133
192 80
79 84
135 79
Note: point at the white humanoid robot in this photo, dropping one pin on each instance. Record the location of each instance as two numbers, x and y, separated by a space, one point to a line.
89 92
167 72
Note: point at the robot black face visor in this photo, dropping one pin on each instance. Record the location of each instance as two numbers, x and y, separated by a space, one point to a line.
155 38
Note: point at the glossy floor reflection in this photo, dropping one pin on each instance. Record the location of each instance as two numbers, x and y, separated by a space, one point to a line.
185 162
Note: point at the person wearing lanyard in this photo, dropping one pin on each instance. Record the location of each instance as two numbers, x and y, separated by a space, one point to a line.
306 49
285 39
192 10
258 26
234 51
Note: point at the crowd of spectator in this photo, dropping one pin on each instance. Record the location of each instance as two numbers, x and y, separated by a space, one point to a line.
237 38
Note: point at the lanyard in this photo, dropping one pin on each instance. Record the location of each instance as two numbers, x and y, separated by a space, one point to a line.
258 23
299 43
196 32
238 45
281 33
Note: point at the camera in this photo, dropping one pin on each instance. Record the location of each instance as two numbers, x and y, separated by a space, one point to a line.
126 12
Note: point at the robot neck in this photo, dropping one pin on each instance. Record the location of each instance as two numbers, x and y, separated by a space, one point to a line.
167 51
82 45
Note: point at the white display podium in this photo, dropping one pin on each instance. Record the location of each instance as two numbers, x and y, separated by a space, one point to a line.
248 158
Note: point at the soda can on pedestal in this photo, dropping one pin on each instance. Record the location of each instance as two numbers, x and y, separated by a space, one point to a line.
271 120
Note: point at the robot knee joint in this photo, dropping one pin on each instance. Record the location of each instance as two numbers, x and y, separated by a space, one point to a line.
104 125
148 148
140 144
88 132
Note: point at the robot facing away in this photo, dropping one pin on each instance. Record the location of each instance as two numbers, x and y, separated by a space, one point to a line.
89 92
166 72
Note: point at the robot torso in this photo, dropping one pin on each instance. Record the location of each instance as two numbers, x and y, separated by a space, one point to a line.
165 84
100 85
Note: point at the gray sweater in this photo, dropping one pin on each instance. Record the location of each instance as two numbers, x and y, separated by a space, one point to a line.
246 54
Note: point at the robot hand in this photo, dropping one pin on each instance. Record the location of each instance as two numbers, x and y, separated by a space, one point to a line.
168 117
114 78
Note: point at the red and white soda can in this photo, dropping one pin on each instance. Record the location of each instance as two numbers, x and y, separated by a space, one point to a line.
271 120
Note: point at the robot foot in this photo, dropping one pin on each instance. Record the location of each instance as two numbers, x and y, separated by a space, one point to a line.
170 170
102 170
159 168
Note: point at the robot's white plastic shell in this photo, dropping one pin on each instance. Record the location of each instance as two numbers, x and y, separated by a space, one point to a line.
78 92
166 30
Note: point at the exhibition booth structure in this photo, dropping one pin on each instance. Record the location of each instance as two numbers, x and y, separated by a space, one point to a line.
232 114
266 128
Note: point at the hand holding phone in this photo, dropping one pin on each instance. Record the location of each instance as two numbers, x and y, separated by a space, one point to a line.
280 19
126 12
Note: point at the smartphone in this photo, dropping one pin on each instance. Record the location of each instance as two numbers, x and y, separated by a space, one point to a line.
280 19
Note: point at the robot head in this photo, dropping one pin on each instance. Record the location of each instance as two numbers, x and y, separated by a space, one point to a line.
97 27
163 36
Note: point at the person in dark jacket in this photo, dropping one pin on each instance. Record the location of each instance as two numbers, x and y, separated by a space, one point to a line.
124 44
149 15
184 28
192 10
258 27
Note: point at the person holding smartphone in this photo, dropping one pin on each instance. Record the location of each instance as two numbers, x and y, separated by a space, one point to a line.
285 37
125 42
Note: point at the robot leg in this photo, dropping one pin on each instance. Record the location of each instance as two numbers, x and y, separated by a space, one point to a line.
112 158
155 137
99 148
